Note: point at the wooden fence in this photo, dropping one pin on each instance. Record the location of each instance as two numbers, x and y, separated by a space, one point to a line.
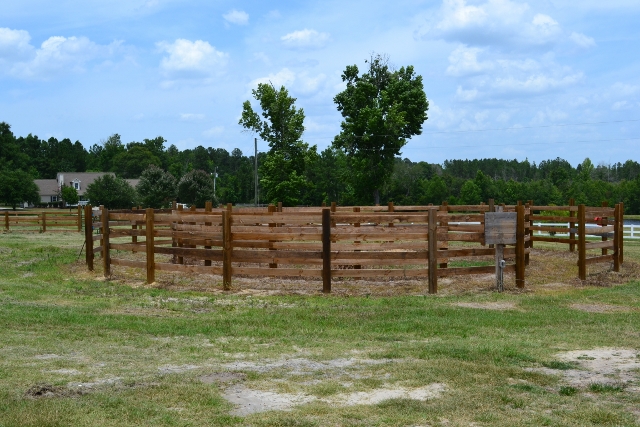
43 221
334 242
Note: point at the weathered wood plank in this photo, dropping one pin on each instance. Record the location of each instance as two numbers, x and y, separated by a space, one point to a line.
277 272
200 269
129 263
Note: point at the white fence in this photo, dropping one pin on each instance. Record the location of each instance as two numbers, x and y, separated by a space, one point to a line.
631 231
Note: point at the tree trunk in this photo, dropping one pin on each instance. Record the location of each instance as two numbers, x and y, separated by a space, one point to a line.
376 197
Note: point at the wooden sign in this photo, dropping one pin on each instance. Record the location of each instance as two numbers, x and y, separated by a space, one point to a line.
500 228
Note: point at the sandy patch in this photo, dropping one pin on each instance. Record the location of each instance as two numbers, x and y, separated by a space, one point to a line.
603 366
601 308
249 401
376 396
177 369
301 366
503 305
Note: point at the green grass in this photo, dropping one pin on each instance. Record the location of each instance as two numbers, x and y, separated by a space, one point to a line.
140 352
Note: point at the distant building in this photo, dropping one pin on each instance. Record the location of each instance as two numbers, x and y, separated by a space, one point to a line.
49 189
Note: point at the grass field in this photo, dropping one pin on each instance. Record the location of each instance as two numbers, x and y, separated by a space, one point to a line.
76 350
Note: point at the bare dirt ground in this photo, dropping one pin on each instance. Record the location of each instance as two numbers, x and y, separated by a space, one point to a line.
548 270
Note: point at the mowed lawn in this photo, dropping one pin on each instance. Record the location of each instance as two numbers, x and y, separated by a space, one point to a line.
76 350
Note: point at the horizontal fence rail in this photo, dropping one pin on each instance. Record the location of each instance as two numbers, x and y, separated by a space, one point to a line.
43 221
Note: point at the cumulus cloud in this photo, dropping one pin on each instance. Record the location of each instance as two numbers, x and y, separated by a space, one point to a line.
464 61
582 40
302 83
187 59
189 117
535 83
237 17
305 39
466 95
55 56
502 23
213 132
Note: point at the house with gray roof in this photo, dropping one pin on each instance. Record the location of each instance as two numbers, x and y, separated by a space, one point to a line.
50 188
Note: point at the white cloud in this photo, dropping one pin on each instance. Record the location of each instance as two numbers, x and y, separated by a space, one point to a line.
305 39
466 95
464 60
625 89
535 83
500 23
284 77
621 105
213 132
189 59
237 17
14 44
301 83
582 40
191 117
56 56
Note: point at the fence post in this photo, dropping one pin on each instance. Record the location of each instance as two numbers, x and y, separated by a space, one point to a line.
44 222
208 207
572 225
151 258
617 229
582 241
88 236
270 210
444 223
106 256
6 220
530 228
604 223
433 251
356 209
180 209
527 216
79 219
621 244
326 250
520 261
492 208
226 249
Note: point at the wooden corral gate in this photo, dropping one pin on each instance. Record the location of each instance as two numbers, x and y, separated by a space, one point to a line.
322 243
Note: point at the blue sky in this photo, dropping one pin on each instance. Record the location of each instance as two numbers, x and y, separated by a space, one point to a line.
504 78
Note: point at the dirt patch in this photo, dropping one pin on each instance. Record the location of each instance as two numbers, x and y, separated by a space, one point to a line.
40 391
612 366
301 366
249 401
601 308
222 377
503 305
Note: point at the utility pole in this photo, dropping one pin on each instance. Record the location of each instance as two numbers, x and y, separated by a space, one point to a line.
255 158
215 175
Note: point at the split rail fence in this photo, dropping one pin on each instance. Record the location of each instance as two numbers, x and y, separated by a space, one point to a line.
43 221
334 242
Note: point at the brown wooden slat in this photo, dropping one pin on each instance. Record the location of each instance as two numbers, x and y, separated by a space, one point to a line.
294 272
129 263
469 228
276 236
554 240
380 273
380 218
607 244
200 269
598 259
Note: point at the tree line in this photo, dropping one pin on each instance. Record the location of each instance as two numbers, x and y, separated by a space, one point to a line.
382 108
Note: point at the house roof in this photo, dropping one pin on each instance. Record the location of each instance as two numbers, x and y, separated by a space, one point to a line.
85 178
47 187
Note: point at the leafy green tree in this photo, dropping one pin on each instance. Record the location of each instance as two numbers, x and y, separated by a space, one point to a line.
69 195
17 187
282 125
381 109
112 192
131 163
196 188
157 188
470 193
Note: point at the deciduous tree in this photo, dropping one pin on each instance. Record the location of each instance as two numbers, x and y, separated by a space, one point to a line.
382 108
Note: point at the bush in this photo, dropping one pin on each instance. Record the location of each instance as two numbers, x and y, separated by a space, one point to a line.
196 188
157 188
112 192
